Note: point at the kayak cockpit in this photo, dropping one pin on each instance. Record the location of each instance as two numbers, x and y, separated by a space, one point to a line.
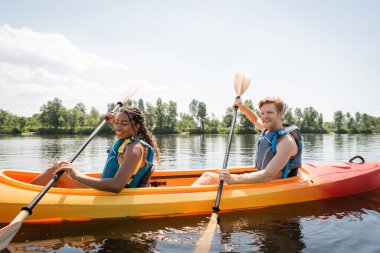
175 179
160 178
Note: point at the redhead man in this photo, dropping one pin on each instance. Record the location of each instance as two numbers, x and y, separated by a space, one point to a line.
279 149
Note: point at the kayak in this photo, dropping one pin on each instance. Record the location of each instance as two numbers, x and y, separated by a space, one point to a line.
171 194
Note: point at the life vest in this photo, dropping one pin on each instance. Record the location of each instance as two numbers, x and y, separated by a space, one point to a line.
266 149
140 175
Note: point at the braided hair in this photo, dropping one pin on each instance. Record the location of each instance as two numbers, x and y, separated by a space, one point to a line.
135 115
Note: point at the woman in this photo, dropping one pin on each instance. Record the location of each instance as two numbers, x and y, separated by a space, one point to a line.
129 159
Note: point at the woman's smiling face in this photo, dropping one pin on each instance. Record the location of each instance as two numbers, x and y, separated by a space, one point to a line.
123 127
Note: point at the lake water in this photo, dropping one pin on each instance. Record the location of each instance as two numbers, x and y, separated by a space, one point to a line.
348 224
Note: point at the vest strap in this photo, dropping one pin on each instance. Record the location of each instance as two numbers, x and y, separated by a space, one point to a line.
267 141
140 174
112 164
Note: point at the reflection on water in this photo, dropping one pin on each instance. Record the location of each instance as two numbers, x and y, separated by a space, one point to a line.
271 236
184 152
345 224
195 151
340 147
178 152
38 152
338 225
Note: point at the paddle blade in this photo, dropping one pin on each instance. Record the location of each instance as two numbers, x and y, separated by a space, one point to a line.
204 243
241 83
128 94
7 233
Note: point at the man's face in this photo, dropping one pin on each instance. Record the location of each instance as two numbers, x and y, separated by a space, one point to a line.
270 117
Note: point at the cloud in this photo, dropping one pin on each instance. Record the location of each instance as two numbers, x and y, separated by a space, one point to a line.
17 79
148 91
37 67
50 50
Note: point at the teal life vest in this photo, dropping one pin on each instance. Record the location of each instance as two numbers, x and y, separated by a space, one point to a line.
112 164
266 149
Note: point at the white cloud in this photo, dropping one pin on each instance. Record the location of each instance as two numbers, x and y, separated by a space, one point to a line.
146 90
26 47
37 67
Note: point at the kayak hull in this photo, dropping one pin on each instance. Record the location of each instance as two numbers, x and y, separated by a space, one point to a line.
173 195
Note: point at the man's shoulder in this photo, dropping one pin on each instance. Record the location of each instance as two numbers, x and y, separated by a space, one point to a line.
288 138
286 141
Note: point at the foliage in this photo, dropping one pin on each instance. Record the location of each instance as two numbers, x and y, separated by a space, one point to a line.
186 123
54 114
362 123
163 118
308 120
245 126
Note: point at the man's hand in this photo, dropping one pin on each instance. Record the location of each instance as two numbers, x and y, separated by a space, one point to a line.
238 103
227 177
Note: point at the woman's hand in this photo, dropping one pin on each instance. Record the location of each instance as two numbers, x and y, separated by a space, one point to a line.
227 177
110 116
72 172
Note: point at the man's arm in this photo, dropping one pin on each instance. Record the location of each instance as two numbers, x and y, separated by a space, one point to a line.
250 114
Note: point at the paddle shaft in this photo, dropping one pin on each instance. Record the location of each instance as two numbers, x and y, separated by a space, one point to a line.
241 83
204 242
221 182
35 201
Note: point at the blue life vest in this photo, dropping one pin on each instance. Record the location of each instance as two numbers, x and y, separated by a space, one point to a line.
112 163
266 150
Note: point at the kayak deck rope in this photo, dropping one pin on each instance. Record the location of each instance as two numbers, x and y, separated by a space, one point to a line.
357 157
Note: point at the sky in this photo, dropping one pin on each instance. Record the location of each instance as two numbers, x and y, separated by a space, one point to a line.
319 53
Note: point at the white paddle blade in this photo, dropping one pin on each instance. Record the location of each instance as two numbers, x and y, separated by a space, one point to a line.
7 233
237 81
204 243
241 83
128 94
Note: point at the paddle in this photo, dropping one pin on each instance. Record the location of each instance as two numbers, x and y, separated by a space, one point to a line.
241 83
7 233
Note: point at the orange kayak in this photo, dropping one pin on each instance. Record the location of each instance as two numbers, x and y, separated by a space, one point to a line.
170 193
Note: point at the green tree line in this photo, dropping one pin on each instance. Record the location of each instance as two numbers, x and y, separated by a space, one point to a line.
163 118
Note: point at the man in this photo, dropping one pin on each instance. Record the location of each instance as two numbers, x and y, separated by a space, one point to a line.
279 149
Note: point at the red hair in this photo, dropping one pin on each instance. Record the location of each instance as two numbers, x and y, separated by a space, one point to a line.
278 102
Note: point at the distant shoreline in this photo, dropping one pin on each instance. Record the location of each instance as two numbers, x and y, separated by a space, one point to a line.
164 118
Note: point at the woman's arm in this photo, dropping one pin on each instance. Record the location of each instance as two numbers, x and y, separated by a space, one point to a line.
132 156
